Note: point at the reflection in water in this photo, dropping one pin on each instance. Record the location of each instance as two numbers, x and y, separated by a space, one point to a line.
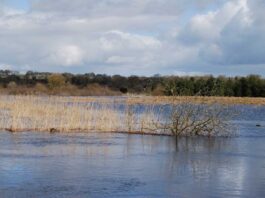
120 165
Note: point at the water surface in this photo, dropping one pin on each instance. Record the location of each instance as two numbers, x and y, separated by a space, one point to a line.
120 165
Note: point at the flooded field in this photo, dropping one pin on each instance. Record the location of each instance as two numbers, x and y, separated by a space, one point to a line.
36 164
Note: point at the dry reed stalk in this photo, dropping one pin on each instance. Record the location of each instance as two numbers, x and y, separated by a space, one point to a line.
41 114
66 114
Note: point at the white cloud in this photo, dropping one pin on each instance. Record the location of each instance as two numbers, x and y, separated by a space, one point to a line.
135 37
120 60
120 7
68 55
5 66
226 36
117 40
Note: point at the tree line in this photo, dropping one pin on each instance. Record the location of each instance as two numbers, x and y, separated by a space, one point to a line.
249 86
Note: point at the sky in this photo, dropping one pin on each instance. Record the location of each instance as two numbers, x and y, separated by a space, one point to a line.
134 37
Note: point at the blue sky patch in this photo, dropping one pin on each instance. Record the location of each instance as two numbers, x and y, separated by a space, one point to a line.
18 4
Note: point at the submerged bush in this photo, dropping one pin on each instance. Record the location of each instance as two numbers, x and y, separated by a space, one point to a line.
209 120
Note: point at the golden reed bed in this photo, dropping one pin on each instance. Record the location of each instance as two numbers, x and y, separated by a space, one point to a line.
153 100
67 114
196 100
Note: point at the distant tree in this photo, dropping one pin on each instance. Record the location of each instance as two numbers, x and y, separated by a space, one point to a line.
123 90
119 82
229 87
56 81
80 80
135 84
255 84
245 87
250 86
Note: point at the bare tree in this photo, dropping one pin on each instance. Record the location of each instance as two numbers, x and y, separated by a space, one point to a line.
196 119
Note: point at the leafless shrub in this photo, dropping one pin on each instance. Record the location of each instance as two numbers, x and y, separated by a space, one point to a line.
192 120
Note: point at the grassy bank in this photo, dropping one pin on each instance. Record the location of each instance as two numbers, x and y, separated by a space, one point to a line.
161 100
101 114
196 100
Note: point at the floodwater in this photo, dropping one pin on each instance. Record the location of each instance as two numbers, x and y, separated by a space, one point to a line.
45 165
